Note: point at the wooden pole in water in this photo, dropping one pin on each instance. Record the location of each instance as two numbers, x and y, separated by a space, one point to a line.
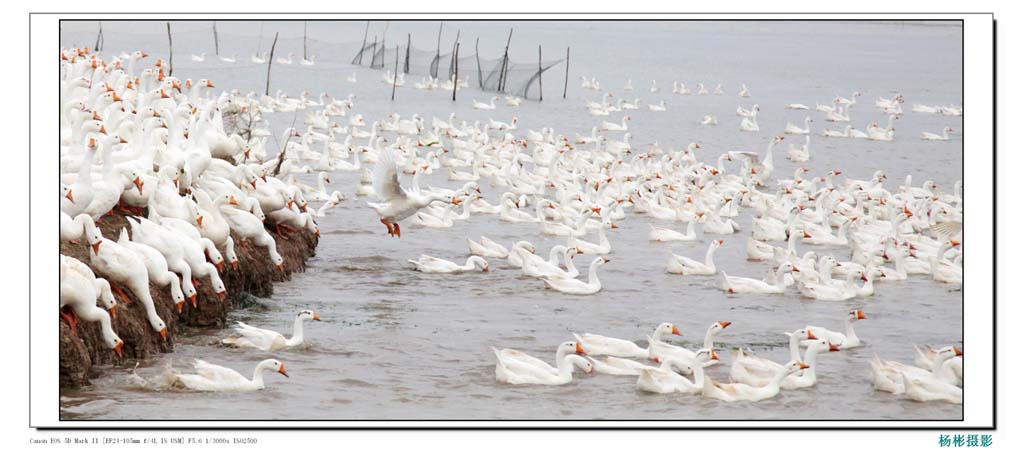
502 77
99 38
373 58
454 91
269 61
451 66
362 49
479 70
436 58
539 65
305 39
568 51
170 52
394 83
408 51
216 39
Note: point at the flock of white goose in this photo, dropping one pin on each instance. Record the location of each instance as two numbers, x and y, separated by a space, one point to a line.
163 145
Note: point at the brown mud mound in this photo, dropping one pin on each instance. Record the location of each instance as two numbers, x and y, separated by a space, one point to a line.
254 275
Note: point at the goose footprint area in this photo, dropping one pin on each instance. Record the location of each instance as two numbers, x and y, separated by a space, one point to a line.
254 275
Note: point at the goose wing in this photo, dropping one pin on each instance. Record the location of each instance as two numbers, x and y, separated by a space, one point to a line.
216 373
385 177
948 229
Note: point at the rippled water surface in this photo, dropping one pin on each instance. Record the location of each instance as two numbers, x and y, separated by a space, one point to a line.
397 344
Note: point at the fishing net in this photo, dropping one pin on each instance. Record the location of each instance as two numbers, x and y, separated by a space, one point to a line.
247 47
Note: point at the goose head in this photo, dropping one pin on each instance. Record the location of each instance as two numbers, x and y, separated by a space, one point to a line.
569 348
272 365
675 364
667 328
795 366
803 334
477 261
308 315
718 326
856 314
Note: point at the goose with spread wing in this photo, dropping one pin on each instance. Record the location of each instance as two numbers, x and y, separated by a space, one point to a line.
397 203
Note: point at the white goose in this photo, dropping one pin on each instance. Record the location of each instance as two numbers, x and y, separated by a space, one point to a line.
428 264
623 126
923 357
665 380
211 377
575 286
481 106
732 392
917 383
731 284
797 153
585 247
661 234
678 264
791 128
123 266
848 339
661 349
931 136
517 368
487 248
753 369
397 203
598 345
267 340
78 292
159 273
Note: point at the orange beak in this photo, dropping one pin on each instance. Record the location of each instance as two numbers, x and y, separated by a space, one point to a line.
316 316
138 184
220 266
954 243
832 347
102 129
675 331
118 347
144 54
281 267
803 365
163 333
234 265
233 201
69 196
180 305
794 268
113 312
198 220
123 140
221 295
958 351
714 355
860 315
724 324
194 300
95 247
809 335
283 371
455 201
579 349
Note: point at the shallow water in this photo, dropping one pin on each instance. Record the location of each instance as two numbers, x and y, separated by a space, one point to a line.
397 344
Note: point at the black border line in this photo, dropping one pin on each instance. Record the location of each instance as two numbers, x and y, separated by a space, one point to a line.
575 16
